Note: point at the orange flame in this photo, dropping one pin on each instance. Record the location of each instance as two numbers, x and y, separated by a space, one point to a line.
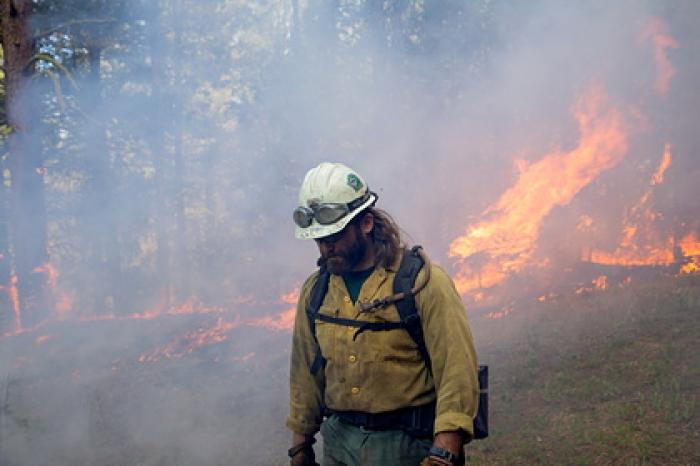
632 254
283 320
656 31
658 176
243 358
691 267
640 243
690 245
13 295
191 341
51 273
64 304
505 242
191 306
500 314
601 282
585 222
546 297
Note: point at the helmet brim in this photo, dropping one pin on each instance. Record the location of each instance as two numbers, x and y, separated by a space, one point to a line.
316 230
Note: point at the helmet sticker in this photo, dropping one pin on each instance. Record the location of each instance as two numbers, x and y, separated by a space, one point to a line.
354 182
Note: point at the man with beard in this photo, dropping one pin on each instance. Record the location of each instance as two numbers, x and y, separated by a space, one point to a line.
355 361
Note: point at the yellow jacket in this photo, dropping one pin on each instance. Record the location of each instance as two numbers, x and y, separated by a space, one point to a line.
384 371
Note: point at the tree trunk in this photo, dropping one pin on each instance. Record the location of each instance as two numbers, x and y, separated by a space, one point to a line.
9 308
99 221
182 258
25 162
182 261
158 122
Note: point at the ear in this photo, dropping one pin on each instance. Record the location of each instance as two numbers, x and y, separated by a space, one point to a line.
367 223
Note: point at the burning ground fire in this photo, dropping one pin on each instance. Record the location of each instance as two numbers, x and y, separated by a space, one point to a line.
690 245
191 341
188 342
494 249
642 242
501 244
505 243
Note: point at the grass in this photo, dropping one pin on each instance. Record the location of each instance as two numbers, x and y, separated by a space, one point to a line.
609 378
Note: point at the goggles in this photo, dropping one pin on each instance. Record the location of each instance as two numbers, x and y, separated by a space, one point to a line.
326 213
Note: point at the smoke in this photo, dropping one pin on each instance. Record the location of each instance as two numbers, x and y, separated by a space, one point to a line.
173 169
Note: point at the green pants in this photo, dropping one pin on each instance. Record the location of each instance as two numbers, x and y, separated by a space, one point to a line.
347 445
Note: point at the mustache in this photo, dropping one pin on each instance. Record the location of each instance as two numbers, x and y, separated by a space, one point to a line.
323 260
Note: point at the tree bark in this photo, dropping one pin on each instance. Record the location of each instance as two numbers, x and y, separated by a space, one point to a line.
25 162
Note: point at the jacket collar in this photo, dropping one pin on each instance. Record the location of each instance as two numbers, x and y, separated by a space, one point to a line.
374 281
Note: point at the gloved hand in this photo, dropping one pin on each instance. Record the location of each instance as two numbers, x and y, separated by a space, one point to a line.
303 454
304 459
429 461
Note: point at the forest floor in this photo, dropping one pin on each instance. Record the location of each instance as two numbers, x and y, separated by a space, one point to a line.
611 377
604 377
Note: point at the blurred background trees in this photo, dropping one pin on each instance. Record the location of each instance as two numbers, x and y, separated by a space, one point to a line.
151 149
138 137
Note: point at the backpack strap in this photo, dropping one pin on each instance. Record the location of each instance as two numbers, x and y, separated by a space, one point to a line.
318 292
404 280
361 325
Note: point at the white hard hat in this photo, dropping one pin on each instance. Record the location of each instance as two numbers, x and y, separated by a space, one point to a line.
331 195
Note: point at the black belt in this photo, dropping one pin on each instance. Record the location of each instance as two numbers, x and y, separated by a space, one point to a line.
417 421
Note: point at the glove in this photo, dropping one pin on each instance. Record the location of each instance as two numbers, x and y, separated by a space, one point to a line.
431 461
302 459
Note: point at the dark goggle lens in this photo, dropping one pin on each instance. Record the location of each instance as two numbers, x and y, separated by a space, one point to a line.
330 213
325 214
303 216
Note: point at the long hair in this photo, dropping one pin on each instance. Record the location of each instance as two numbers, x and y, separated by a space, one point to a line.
386 236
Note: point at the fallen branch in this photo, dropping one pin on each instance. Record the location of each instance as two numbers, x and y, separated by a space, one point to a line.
75 22
50 59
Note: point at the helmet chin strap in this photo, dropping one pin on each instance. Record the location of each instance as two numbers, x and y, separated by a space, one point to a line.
372 306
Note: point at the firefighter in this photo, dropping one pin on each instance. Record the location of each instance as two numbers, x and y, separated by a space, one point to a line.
381 391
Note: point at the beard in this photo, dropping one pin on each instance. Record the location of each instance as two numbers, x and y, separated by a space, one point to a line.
340 262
